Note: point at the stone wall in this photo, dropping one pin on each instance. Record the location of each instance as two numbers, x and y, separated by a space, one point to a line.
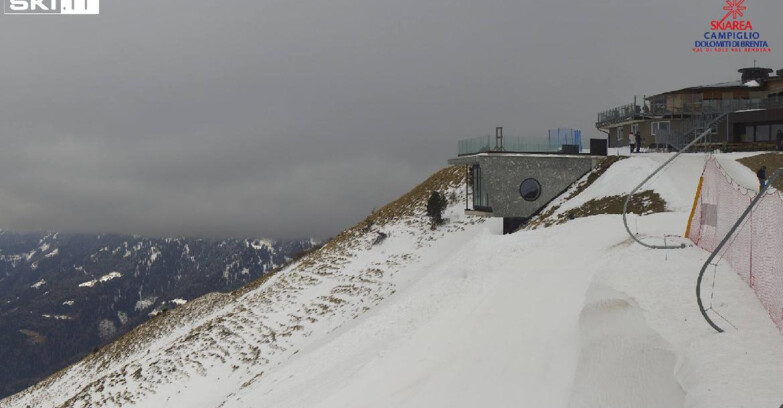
504 175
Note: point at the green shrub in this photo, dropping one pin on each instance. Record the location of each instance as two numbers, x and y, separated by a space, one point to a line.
435 207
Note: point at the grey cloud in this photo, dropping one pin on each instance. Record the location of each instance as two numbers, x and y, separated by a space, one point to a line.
290 119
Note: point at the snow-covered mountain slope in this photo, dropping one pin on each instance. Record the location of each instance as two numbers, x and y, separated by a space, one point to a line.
575 315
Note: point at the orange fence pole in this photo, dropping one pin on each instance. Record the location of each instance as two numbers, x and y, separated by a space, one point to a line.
693 210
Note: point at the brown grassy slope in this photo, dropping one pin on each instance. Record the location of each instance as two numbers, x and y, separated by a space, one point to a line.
545 219
771 160
411 205
646 202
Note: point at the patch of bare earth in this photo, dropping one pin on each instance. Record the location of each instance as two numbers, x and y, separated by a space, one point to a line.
773 161
545 219
646 202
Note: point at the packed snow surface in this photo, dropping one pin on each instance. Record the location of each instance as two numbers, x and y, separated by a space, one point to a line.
576 315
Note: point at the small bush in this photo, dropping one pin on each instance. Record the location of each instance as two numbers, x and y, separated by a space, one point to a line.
380 238
435 207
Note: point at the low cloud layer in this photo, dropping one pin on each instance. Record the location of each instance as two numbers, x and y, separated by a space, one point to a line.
293 119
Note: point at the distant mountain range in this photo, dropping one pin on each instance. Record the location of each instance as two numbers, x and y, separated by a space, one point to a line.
65 295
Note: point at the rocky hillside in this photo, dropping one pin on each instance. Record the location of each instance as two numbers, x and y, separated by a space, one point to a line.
63 296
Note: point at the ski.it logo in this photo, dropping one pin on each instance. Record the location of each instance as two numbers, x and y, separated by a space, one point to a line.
49 7
733 33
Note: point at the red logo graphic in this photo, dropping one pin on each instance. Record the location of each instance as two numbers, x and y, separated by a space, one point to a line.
735 9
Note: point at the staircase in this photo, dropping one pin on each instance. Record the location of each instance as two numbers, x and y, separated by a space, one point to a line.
674 141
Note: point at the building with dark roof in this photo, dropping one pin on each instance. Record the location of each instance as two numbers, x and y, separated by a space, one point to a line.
746 113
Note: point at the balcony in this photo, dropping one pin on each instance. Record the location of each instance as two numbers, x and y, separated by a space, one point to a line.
619 114
565 141
682 106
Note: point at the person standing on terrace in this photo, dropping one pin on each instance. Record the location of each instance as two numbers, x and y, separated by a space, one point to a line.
762 175
638 137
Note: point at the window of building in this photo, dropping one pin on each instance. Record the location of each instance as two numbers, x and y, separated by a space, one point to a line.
750 134
620 134
762 133
480 194
711 105
530 189
659 127
777 130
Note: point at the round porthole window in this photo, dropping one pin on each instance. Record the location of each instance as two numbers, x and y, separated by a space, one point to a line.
530 189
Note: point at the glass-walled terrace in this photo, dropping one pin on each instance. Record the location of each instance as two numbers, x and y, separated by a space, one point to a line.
556 142
486 144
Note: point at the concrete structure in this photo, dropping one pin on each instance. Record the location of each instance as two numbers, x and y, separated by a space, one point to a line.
516 186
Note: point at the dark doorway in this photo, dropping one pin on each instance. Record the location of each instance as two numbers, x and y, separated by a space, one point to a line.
511 224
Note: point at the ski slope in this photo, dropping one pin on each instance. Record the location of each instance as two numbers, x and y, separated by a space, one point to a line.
575 315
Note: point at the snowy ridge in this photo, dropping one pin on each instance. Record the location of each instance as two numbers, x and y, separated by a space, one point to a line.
575 315
103 279
241 336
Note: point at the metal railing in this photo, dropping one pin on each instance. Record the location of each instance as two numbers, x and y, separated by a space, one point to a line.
711 126
696 125
511 144
665 138
620 113
661 108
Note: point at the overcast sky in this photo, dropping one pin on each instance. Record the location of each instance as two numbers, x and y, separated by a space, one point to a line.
295 118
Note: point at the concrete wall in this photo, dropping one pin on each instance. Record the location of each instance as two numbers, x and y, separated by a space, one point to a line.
504 174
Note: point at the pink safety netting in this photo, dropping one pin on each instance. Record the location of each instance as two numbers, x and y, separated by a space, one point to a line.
755 250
